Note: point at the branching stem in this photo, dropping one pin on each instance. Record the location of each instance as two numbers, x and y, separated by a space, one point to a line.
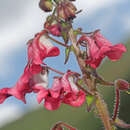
116 109
58 42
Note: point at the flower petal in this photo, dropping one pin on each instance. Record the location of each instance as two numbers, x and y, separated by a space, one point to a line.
116 52
52 103
56 88
74 100
42 48
41 95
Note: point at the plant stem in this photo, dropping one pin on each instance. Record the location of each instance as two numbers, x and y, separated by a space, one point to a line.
100 104
88 93
56 71
115 113
60 124
58 42
103 112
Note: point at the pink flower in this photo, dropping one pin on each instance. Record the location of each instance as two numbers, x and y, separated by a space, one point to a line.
53 29
4 94
73 99
99 47
68 82
52 97
72 95
35 79
23 85
40 48
64 90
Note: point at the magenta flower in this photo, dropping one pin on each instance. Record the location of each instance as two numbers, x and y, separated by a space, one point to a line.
99 47
23 85
73 99
51 96
73 96
40 48
63 90
53 29
4 93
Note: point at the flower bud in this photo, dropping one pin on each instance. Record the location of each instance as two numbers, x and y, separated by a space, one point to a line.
52 26
46 5
122 84
66 11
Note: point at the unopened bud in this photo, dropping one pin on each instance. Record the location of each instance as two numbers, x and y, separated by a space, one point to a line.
52 26
66 11
122 84
46 5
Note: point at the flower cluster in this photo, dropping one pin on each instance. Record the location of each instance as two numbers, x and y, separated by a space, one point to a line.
68 88
35 78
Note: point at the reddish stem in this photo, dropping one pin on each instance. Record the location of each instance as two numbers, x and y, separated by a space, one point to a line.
58 42
61 73
60 124
68 126
52 69
115 113
88 93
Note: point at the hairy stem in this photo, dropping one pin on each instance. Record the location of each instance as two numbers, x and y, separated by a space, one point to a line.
116 109
100 104
80 61
103 112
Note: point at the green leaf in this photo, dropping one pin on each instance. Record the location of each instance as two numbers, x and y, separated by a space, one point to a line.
90 102
72 48
80 81
67 53
65 37
76 32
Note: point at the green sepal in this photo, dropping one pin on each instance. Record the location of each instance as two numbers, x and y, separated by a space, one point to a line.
80 82
72 48
90 100
76 32
64 24
65 37
67 54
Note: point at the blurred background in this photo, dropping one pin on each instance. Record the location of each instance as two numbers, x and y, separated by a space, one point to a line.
19 21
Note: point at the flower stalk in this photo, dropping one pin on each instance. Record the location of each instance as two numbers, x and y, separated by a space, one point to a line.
116 109
100 104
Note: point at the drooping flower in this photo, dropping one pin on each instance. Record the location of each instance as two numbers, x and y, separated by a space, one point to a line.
63 90
40 48
74 99
23 85
99 47
73 96
51 96
53 27
54 30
